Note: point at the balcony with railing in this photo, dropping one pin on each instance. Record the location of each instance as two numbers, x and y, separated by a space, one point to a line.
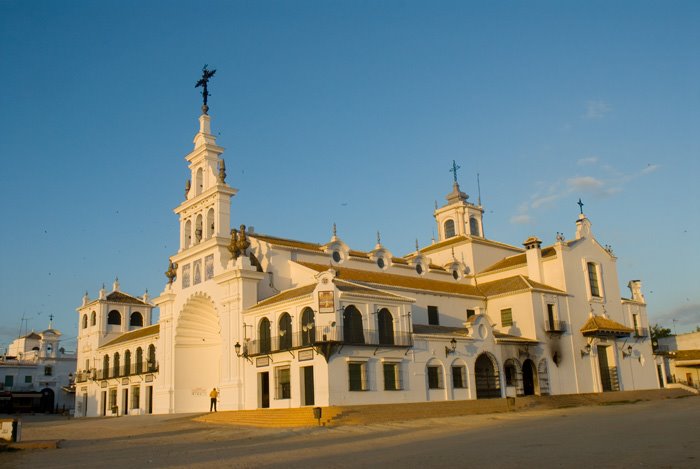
334 335
555 326
135 369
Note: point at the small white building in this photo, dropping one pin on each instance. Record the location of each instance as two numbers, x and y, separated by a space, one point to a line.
36 374
277 323
680 355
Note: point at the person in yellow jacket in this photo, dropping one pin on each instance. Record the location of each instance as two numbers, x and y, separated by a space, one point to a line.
214 396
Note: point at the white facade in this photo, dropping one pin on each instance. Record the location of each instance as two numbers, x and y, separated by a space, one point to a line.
273 322
36 373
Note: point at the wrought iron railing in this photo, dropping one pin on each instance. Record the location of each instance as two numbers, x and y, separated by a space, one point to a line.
121 372
333 334
555 326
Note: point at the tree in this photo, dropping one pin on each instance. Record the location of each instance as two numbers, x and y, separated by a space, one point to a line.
658 332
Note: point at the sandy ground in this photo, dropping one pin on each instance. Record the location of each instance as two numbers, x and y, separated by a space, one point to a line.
664 433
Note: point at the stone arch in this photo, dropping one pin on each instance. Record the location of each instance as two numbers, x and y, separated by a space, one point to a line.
285 331
85 321
114 318
307 327
93 318
210 223
197 345
487 377
199 181
530 378
474 227
513 374
264 336
136 319
188 233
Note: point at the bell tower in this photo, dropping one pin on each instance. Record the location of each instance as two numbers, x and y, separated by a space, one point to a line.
458 217
206 211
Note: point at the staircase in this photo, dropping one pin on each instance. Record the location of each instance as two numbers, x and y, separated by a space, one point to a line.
382 413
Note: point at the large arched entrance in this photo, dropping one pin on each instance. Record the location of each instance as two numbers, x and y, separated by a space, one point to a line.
529 377
47 400
197 355
486 375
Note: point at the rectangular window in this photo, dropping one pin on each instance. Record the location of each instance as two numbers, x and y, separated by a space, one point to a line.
506 317
635 322
433 316
113 400
135 397
284 386
434 378
593 279
27 379
459 377
9 381
470 313
551 317
357 376
392 377
48 371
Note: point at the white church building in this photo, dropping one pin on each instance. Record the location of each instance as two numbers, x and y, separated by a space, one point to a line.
277 323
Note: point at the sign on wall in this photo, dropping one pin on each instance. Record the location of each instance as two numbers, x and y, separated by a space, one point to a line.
305 355
326 302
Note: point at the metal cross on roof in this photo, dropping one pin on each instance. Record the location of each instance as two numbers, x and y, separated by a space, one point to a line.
203 82
580 206
454 169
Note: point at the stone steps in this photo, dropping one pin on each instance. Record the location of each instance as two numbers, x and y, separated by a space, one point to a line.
382 413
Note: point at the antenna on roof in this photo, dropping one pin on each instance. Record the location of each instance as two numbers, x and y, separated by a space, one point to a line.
478 188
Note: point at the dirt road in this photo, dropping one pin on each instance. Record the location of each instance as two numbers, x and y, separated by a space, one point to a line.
660 433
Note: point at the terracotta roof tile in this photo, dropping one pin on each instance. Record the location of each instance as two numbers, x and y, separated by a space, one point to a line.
357 289
512 285
440 330
285 295
399 281
517 260
598 325
121 297
685 355
137 334
291 243
501 337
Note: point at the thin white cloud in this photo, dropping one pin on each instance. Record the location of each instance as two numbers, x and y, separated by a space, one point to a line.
596 109
686 315
587 161
522 219
585 183
650 168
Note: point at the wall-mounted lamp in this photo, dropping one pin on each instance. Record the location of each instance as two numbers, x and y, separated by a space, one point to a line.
244 353
626 352
586 350
452 348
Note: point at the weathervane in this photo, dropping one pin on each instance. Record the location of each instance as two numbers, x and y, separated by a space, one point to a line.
454 169
203 82
580 206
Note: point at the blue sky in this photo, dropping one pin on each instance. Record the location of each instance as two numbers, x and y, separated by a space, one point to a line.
348 112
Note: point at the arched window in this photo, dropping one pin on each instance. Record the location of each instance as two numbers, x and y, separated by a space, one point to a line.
435 376
105 366
198 229
307 327
84 321
449 228
352 326
386 327
136 319
139 360
93 318
151 357
285 326
199 182
114 318
116 364
210 223
264 336
188 233
127 363
474 227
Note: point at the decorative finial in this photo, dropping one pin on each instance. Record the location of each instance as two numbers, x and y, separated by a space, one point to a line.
454 169
203 82
379 237
580 206
417 246
243 243
222 171
453 254
188 186
335 231
51 321
171 273
560 237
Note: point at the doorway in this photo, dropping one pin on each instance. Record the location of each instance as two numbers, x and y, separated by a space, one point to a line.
47 400
308 383
149 399
104 403
264 382
85 404
125 401
605 380
486 376
529 378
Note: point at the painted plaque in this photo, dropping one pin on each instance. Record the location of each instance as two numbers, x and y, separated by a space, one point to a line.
209 267
305 355
262 361
326 302
197 276
185 276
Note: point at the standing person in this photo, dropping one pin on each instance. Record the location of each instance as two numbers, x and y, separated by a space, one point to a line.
213 395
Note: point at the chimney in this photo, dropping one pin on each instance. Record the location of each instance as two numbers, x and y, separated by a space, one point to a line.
533 254
635 287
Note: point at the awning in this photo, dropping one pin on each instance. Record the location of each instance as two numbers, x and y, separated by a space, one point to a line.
599 326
